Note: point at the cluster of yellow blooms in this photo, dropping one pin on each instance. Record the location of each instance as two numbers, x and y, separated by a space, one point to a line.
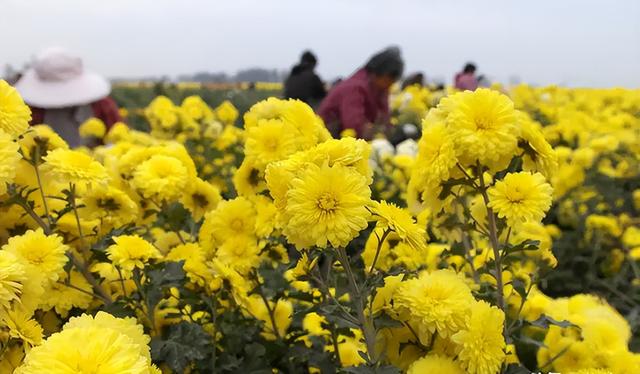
279 224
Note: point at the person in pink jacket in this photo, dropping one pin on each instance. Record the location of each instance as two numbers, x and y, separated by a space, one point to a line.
361 102
466 79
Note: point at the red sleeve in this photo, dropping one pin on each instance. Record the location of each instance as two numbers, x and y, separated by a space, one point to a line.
37 116
107 110
352 112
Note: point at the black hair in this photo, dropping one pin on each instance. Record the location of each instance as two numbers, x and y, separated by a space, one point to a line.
387 62
308 58
469 68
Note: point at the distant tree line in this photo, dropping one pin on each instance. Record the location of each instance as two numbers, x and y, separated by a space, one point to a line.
245 75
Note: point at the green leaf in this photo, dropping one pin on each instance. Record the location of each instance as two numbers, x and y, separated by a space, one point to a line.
183 344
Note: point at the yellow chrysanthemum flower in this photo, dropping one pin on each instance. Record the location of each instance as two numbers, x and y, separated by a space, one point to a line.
14 113
266 215
483 126
282 314
194 262
400 221
312 324
249 180
241 253
117 132
200 197
111 205
481 343
63 298
40 253
268 141
44 138
92 128
226 112
435 364
22 327
521 197
327 205
131 251
127 326
86 350
230 219
12 275
436 153
9 158
161 177
538 154
196 108
348 152
435 302
75 167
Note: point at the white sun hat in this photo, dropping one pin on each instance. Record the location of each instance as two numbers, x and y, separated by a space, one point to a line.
57 79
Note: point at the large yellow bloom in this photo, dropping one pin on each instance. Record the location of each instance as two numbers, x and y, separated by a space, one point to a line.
131 251
160 177
521 197
348 152
483 126
230 219
98 350
437 302
268 141
39 253
327 205
481 344
127 326
9 158
75 167
435 364
14 113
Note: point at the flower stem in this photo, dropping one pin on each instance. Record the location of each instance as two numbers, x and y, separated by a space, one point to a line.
495 244
380 242
366 324
97 288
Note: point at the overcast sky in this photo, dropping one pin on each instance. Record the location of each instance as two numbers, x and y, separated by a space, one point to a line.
572 42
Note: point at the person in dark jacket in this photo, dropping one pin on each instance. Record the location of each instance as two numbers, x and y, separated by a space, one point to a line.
303 83
361 102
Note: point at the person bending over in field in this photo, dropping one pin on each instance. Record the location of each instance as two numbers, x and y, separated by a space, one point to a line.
361 102
62 94
303 83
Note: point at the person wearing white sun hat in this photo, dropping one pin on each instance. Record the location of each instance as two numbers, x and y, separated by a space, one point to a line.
63 94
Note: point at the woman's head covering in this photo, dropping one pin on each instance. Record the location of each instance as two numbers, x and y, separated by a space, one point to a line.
57 79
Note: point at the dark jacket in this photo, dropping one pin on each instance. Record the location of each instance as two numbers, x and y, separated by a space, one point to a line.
304 84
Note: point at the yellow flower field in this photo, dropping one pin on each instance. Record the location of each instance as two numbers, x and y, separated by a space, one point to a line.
505 240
